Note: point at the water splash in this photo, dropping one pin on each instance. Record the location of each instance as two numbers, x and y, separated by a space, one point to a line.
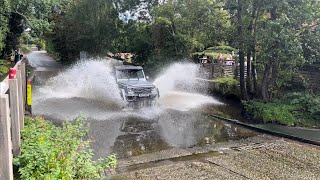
90 79
183 74
89 88
179 88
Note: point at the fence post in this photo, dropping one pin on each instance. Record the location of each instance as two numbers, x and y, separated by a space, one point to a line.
24 82
15 116
6 170
20 99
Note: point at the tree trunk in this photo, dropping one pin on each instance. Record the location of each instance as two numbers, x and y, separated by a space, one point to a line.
249 77
272 67
265 81
254 71
243 88
251 52
275 72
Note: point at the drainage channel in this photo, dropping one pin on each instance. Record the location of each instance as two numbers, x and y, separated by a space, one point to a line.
280 132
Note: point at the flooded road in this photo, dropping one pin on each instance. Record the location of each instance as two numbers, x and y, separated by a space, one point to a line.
135 132
182 119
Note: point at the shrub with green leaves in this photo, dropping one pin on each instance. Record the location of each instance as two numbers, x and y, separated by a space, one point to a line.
25 49
271 112
227 85
296 109
4 67
51 152
222 49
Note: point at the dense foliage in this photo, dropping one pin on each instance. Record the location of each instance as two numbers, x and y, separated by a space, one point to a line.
4 68
51 152
227 85
4 12
18 15
296 109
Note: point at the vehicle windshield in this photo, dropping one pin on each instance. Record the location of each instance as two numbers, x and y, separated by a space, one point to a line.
130 74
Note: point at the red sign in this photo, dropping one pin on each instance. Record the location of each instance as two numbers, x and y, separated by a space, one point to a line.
12 73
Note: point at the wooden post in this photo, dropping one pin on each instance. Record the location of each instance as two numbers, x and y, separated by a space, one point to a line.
20 99
6 170
24 82
15 114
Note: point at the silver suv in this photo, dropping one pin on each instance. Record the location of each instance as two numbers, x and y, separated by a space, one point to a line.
135 89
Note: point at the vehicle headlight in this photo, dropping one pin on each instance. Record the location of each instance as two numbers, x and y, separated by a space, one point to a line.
130 91
154 91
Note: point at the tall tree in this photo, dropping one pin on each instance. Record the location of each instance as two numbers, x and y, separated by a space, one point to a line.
191 25
243 87
24 14
84 25
4 16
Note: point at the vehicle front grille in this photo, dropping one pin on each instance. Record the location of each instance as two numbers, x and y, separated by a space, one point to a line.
142 90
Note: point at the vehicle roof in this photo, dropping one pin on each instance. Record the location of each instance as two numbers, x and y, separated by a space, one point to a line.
127 67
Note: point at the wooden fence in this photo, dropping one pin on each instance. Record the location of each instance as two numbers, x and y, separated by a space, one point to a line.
212 71
12 110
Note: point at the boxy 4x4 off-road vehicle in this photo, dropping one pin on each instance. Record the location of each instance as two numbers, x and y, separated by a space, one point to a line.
134 87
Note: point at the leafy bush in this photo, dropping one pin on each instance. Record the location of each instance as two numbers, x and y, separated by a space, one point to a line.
50 152
214 55
228 85
302 109
25 49
4 67
307 105
271 112
40 44
222 49
217 52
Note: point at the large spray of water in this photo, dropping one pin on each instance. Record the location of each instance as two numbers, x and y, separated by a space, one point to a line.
91 79
89 87
178 73
178 87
